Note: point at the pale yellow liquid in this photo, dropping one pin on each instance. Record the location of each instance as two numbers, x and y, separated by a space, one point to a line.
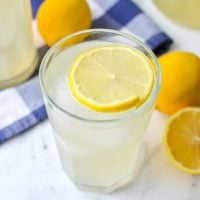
185 12
99 156
18 55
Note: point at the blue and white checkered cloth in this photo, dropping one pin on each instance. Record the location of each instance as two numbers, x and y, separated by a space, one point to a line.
22 107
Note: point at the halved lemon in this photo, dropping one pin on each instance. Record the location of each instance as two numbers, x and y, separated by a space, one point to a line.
182 140
111 78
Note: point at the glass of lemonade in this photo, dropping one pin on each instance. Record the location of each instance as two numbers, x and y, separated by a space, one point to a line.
99 151
18 55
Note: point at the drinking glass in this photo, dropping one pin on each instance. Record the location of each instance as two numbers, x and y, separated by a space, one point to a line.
98 151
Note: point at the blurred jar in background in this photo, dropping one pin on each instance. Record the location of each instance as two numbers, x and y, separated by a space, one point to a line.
18 55
185 12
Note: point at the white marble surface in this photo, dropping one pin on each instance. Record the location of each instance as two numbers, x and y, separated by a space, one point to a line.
30 167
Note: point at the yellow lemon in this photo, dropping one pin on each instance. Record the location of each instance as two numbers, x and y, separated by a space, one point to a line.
57 19
111 78
181 82
182 140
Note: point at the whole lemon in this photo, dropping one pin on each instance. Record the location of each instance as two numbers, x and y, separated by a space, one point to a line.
57 19
181 81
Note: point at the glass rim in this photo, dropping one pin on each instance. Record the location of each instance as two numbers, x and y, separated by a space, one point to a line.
132 37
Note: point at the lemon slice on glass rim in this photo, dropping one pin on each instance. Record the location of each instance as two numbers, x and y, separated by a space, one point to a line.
111 78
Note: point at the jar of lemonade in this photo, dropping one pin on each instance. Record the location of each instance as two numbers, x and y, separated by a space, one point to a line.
18 55
185 12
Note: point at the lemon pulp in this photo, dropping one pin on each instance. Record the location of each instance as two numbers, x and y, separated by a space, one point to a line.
182 140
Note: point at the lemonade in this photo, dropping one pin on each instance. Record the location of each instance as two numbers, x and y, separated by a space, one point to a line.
99 151
185 12
18 56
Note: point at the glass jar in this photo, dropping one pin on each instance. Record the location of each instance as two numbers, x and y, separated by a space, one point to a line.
18 55
185 12
98 151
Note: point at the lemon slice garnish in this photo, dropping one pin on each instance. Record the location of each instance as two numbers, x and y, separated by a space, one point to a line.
111 78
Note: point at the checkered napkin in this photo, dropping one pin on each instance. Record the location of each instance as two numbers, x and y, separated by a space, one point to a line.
22 107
